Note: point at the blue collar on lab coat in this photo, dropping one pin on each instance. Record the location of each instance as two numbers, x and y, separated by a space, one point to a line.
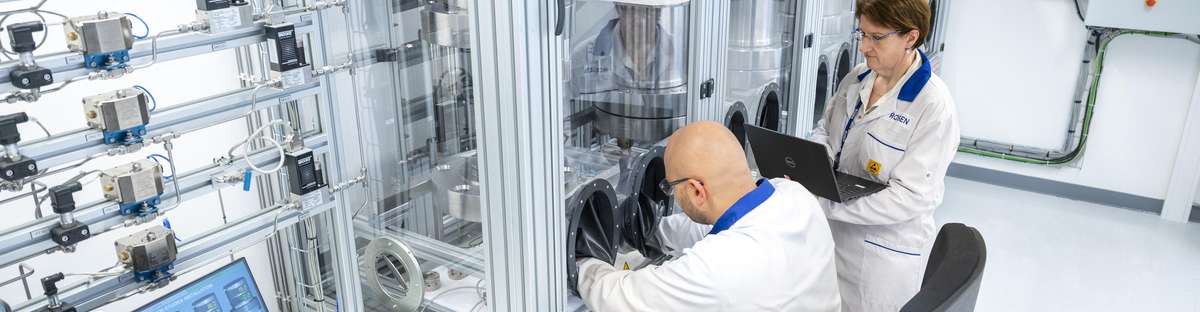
743 206
915 83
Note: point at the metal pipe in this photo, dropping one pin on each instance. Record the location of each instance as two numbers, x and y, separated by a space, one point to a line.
66 218
170 148
27 59
12 151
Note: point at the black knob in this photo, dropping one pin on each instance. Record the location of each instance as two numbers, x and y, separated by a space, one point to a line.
8 128
49 283
62 197
21 35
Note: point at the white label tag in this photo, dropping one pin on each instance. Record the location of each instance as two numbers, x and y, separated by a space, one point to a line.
292 78
223 20
39 234
93 137
313 199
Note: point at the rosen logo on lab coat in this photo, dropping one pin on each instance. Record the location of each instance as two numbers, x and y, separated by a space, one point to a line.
900 118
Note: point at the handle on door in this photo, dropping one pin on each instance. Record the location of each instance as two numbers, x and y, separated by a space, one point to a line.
558 24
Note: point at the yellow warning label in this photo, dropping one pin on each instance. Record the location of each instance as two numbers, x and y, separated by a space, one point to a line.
874 167
626 266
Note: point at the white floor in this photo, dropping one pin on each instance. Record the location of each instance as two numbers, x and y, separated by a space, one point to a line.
1052 254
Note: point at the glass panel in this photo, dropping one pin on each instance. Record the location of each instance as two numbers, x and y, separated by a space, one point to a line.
629 68
760 60
415 113
626 92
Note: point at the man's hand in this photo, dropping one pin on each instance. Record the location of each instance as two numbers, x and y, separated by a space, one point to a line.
587 268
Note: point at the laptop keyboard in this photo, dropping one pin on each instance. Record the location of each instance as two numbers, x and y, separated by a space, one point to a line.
851 187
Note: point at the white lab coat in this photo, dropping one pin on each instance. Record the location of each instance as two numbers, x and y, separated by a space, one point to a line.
907 142
777 257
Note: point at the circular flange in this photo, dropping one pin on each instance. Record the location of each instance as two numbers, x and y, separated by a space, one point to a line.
769 108
591 224
408 273
735 121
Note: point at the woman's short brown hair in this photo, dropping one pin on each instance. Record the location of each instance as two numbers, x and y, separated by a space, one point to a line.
902 15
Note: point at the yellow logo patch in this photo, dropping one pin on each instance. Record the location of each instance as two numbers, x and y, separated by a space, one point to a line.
874 167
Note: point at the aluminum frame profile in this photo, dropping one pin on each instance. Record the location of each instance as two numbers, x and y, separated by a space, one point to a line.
68 65
805 62
343 251
32 239
194 253
708 44
517 90
198 114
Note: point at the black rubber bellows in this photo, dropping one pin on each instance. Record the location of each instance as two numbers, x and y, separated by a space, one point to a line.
646 203
591 227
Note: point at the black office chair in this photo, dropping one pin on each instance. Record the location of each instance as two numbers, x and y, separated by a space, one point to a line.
955 268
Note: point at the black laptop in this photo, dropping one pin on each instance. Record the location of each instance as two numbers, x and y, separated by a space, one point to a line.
806 162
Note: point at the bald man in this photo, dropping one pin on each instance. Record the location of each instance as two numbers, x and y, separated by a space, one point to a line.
746 245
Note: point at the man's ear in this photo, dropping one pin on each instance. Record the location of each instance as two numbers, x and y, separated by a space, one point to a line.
698 191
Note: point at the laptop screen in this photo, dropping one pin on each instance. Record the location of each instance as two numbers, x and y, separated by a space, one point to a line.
228 289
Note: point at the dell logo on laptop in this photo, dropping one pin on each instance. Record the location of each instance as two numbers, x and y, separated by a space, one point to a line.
791 163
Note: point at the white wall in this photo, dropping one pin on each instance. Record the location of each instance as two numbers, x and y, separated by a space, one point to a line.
171 83
1012 68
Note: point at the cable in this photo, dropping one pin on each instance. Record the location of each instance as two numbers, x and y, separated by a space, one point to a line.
166 223
32 8
278 165
64 17
1078 12
454 289
1089 109
95 275
80 176
40 125
155 158
153 101
139 18
64 84
257 133
37 202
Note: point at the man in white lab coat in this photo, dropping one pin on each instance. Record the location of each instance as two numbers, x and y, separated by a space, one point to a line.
751 247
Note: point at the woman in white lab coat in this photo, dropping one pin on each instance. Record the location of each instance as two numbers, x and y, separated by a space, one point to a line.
892 121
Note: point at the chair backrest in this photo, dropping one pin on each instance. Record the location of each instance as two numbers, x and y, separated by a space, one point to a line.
955 268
